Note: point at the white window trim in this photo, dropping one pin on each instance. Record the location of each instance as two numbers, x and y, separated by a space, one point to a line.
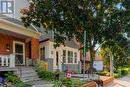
73 57
22 43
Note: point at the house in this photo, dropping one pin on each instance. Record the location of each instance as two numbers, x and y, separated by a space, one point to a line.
23 44
97 59
63 58
18 45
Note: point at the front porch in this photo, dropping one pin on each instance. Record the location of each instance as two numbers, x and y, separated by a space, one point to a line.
18 46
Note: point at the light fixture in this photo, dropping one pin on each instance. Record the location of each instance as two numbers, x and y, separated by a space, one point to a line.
7 47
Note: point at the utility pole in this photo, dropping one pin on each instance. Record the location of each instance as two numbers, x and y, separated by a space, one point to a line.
84 53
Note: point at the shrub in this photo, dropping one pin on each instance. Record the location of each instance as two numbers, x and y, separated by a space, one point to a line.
43 72
10 77
117 75
124 72
102 73
76 82
21 84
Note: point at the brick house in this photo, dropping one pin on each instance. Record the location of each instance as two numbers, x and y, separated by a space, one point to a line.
18 45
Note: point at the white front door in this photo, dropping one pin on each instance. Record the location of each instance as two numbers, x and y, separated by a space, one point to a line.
19 51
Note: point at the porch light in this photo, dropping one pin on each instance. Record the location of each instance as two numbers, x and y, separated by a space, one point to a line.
7 47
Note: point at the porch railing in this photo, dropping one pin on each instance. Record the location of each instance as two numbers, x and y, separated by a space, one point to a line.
7 60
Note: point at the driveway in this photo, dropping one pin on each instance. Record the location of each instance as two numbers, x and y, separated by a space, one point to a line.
121 82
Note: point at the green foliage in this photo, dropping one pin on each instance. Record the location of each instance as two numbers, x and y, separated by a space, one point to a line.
124 72
57 84
101 73
118 49
117 75
43 73
10 77
75 82
21 84
102 20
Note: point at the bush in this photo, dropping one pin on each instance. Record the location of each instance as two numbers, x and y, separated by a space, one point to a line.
42 71
124 72
117 75
10 77
102 73
21 84
76 82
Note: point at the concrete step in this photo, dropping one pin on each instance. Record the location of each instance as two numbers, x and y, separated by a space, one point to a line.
27 79
28 74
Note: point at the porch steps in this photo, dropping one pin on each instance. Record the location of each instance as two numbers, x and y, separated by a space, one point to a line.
28 74
7 69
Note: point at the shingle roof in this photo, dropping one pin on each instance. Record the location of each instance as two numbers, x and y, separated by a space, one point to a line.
50 36
15 21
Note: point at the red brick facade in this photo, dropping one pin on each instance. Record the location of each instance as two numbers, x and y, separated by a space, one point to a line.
4 41
31 48
34 48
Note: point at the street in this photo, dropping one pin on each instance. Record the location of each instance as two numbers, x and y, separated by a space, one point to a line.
121 82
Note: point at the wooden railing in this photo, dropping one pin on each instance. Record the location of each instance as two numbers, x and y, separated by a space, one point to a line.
7 60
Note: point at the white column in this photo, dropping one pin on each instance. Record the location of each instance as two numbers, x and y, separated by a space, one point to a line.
12 60
2 60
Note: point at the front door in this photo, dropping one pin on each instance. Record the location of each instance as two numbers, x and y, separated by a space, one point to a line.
19 51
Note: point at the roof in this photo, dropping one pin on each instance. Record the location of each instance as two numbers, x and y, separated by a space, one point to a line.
49 35
16 21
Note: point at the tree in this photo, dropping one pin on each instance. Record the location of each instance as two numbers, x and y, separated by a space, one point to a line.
101 19
119 49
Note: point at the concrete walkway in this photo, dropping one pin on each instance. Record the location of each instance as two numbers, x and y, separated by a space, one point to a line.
45 85
121 82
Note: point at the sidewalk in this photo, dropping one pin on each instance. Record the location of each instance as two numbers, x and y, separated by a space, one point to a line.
121 82
45 85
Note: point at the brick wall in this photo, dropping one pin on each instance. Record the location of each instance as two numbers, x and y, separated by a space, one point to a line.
34 48
7 39
4 40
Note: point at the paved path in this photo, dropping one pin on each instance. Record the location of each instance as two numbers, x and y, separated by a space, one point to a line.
121 82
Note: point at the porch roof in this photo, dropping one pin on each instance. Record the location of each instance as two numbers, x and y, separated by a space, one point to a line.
16 26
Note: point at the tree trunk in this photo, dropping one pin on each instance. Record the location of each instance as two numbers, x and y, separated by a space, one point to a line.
92 57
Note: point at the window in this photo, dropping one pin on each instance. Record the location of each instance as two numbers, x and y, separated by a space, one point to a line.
42 52
64 56
57 58
70 57
75 57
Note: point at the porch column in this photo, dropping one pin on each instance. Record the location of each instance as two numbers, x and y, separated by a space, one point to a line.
34 49
12 60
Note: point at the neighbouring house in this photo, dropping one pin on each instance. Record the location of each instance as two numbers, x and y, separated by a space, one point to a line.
97 60
63 58
18 45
